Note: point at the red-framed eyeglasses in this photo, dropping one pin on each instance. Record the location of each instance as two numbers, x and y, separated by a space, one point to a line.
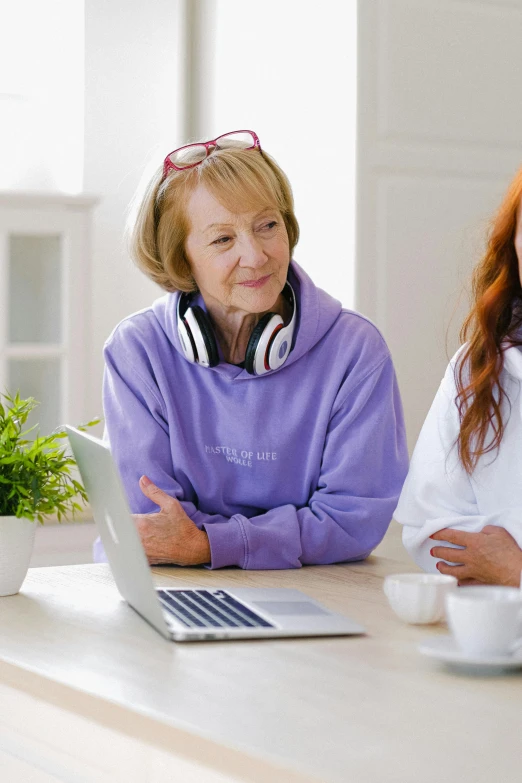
193 154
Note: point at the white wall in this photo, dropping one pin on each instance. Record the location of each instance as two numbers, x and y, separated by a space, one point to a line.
439 139
132 115
288 71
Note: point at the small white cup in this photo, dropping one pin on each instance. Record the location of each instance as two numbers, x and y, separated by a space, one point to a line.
418 598
486 620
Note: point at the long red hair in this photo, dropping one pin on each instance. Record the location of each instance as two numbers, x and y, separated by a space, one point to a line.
490 327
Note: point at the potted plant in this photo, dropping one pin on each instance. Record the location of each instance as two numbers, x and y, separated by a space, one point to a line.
35 482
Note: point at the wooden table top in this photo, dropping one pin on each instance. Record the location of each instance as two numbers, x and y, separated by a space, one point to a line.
332 709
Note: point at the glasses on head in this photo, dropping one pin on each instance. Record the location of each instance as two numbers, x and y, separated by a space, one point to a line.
193 154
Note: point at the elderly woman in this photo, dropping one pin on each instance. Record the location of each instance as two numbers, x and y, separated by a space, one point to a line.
461 505
260 417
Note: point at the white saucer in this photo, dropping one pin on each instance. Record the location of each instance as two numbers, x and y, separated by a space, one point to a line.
444 648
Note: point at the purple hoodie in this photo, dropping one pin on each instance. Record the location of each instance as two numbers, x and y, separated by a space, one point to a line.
303 465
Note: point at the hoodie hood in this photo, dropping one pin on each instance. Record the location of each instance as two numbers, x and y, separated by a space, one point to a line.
317 311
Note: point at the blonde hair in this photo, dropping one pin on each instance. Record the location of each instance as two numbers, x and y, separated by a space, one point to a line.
238 179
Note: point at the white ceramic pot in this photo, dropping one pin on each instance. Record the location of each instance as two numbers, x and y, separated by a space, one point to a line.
16 546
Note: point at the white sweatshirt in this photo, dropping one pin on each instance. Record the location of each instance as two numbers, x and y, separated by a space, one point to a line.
438 493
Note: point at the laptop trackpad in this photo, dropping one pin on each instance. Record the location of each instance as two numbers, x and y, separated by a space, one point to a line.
290 607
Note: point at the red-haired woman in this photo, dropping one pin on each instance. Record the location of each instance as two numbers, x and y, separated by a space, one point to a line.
464 488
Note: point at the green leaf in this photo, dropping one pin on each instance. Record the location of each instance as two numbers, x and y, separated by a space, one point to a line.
91 423
35 474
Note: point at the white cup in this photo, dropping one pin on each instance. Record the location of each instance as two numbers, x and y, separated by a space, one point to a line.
486 620
418 598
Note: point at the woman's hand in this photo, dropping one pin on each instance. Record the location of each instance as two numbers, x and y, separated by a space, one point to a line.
491 556
170 536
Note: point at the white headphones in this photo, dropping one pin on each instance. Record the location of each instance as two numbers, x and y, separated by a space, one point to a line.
268 346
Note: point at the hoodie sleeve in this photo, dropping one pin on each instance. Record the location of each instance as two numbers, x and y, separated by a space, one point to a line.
363 467
132 406
438 493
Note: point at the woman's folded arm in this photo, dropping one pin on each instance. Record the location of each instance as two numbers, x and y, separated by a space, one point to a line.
438 493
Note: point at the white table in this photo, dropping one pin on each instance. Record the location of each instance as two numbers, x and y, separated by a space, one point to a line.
88 691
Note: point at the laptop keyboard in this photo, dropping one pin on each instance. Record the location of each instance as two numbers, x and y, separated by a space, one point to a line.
205 609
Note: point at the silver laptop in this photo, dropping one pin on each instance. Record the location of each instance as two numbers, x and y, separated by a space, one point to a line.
189 614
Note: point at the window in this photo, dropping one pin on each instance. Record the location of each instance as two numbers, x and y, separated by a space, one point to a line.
41 95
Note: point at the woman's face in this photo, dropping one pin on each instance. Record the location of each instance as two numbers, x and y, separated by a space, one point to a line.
239 260
518 240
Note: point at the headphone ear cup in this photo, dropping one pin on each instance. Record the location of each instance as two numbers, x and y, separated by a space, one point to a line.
207 335
187 341
254 342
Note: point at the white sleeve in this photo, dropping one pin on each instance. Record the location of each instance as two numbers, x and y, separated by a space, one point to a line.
438 493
